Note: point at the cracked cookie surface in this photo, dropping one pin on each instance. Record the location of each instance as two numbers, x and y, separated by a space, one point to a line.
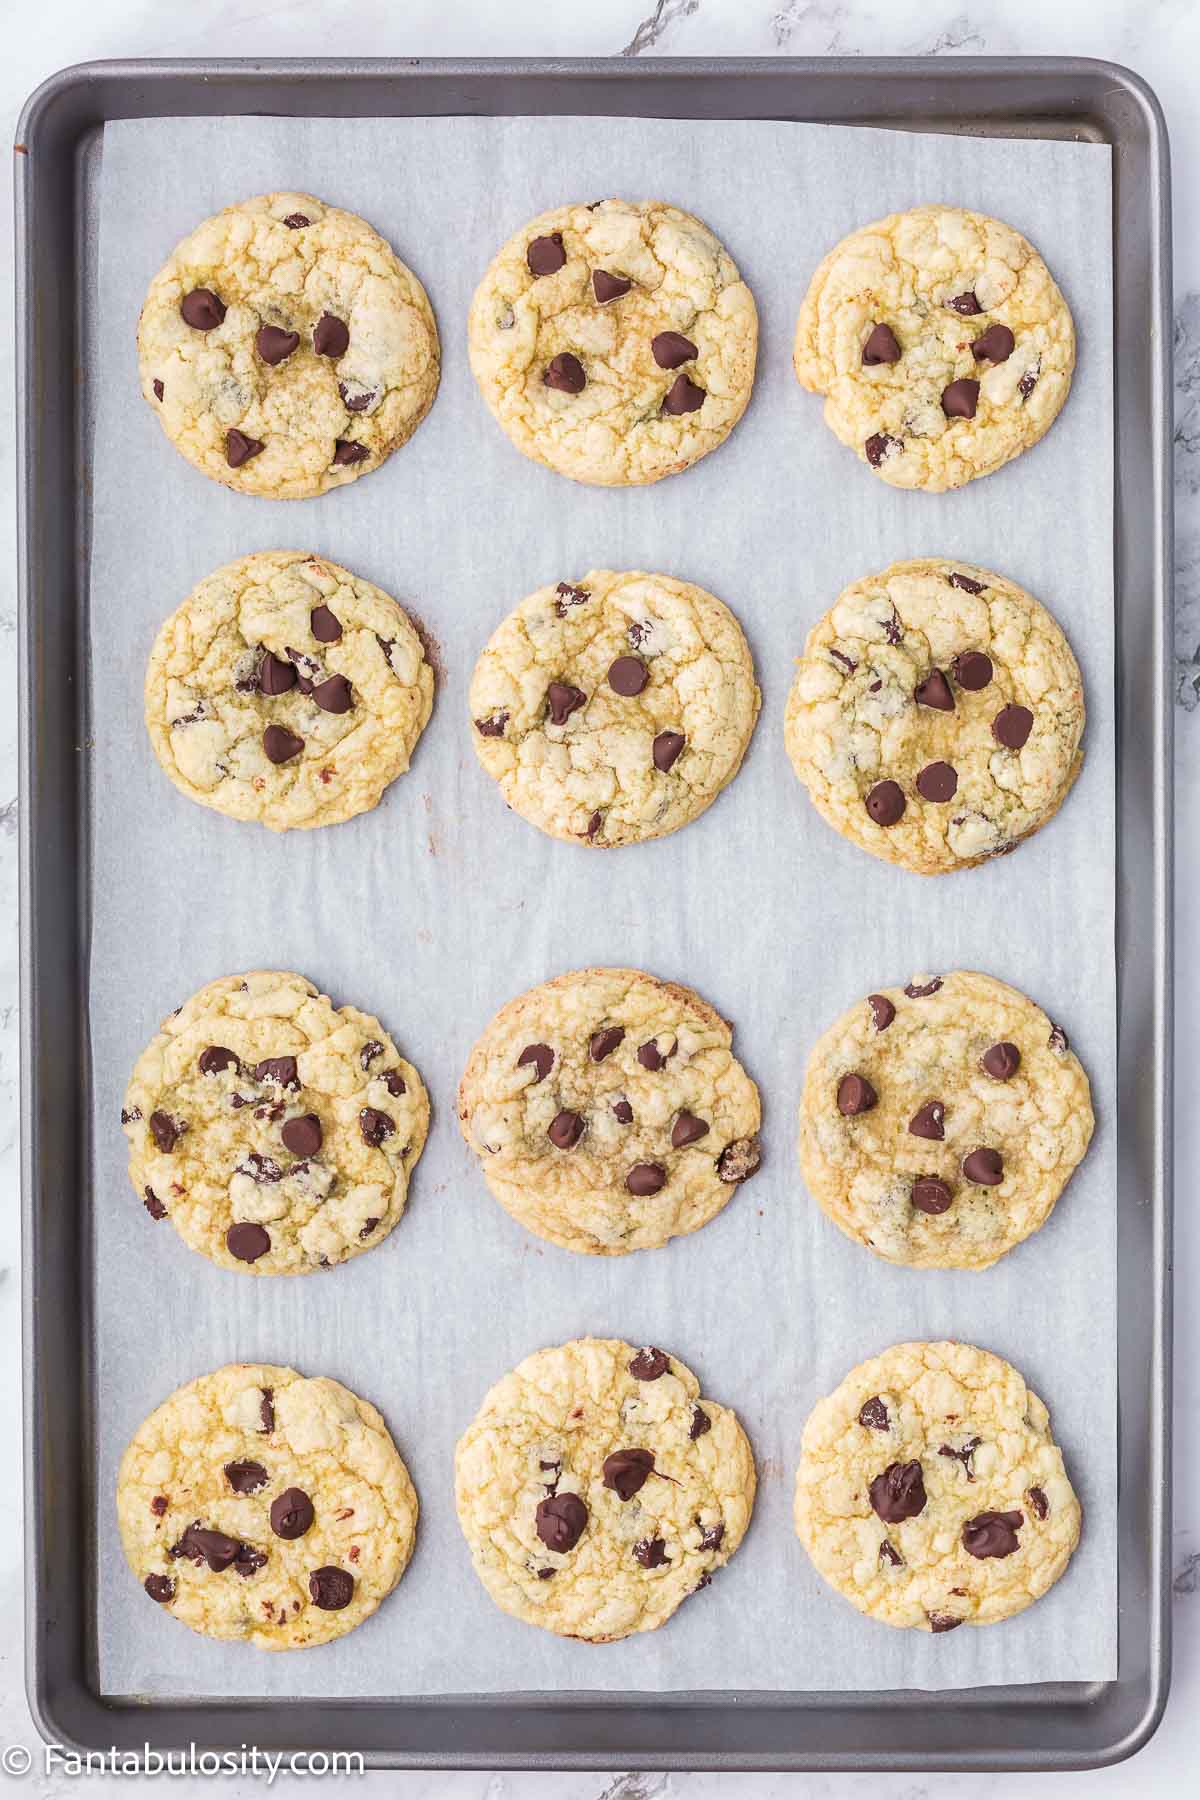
608 1111
286 348
597 1489
941 342
615 709
287 691
615 342
936 715
930 1492
276 1131
261 1505
941 1121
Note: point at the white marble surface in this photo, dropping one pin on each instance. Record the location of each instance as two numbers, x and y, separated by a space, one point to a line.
1159 38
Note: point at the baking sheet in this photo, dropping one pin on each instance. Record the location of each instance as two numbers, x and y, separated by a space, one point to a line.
440 905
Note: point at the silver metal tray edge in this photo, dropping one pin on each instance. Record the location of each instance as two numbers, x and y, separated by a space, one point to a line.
1060 1725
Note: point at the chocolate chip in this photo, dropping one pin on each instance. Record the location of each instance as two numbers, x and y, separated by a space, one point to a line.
739 1160
1001 1061
132 1116
602 1043
885 802
651 1552
626 1472
963 1454
280 1069
972 670
166 1131
334 694
960 399
560 1520
666 748
158 390
266 1409
939 1622
928 1121
966 583
153 1204
542 1058
303 1136
1058 1040
608 287
593 826
331 336
687 1129
937 782
249 1561
346 452
330 1588
239 448
848 663
1012 726
882 1010
280 744
565 1130
892 629
200 1545
965 304
247 1242
160 1588
888 1553
992 1534
984 1167
367 1227
651 1057
1039 1506
295 220
881 347
879 447
1027 383
995 345
325 626
291 1513
623 1112
202 310
355 402
934 691
565 372
683 396
216 1058
568 596
564 701
898 1493
700 1422
855 1095
649 1364
645 1179
493 727
375 1126
712 1535
930 1194
275 346
245 1477
873 1414
922 990
274 675
545 255
670 349
628 676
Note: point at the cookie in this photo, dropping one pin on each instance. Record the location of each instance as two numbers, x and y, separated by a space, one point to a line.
941 343
275 1130
597 1489
614 342
609 1112
941 1121
614 709
287 691
286 348
930 1492
259 1504
936 715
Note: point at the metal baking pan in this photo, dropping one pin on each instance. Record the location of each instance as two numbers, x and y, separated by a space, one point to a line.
1059 1725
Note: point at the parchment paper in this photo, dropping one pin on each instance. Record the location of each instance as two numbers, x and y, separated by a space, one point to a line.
436 908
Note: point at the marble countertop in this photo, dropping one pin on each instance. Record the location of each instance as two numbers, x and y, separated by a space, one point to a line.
1158 38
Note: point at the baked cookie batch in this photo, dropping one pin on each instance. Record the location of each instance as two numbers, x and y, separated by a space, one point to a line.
935 719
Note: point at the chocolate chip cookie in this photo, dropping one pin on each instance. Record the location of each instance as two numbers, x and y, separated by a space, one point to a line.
930 1492
286 348
597 1489
609 1112
275 1130
941 343
936 715
258 1504
614 709
614 342
287 691
941 1121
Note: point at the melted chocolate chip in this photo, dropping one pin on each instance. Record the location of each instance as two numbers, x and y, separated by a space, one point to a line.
937 782
215 1548
602 1043
627 676
885 803
608 287
972 670
670 349
882 346
346 452
247 1242
848 663
565 1130
992 1534
939 1622
545 255
331 337
330 1588
712 1536
239 448
622 1112
153 1204
216 1058
966 305
963 1454
1012 726
158 390
960 399
984 1167
355 402
683 396
294 221
560 1521
627 1471
880 447
275 676
1027 383
649 1364
898 1493
922 990
266 1409
995 345
291 1513
666 749
1058 1040
280 1069
166 1131
651 1552
568 596
375 1126
542 1058
325 626
739 1160
1039 1506
873 1414
565 373
334 694
650 1056
934 691
202 309
303 1136
687 1129
888 1553
160 1588
563 701
645 1179
855 1095
965 582
930 1194
700 1424
1001 1061
245 1477
275 346
493 727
